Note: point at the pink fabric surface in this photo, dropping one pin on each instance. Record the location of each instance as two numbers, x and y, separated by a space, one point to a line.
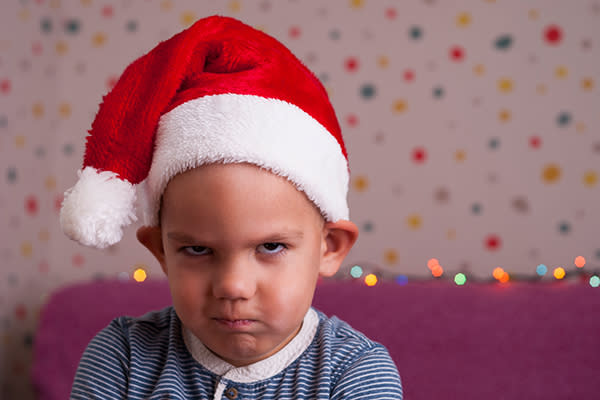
533 341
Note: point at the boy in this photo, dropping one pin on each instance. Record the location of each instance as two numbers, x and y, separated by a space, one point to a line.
245 177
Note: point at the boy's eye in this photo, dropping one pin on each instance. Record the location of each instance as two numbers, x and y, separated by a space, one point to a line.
271 248
196 250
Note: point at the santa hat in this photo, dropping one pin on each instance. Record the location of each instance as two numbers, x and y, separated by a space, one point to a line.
217 92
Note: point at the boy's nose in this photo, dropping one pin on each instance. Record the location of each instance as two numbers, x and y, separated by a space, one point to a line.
234 279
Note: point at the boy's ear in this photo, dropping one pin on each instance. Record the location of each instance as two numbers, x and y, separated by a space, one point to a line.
339 237
151 238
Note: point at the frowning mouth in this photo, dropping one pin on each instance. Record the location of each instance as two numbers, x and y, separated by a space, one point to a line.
234 323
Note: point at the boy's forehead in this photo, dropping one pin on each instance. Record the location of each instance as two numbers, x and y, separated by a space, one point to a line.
222 174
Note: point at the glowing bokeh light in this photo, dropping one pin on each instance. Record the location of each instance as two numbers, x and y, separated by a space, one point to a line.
595 281
460 279
371 280
559 273
139 275
432 263
356 271
402 280
541 270
498 273
579 261
437 271
505 278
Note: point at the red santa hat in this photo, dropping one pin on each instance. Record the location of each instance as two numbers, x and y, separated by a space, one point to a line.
217 92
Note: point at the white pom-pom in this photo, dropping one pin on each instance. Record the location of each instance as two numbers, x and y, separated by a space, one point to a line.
97 208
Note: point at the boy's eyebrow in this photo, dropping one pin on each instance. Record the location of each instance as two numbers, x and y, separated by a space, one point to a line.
180 237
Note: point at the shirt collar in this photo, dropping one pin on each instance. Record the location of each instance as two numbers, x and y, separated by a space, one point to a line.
259 370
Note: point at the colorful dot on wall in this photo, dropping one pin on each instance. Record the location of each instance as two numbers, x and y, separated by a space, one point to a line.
383 61
414 221
463 20
360 183
503 42
408 75
31 205
587 84
368 226
457 53
563 118
72 26
494 143
479 69
11 175
391 13
590 178
460 155
131 26
68 149
61 47
390 256
541 270
64 110
400 106
476 208
235 6
40 152
351 64
505 85
504 115
520 204
99 39
561 72
166 5
107 11
20 141
50 183
441 195
492 242
415 32
438 92
451 234
77 260
294 32
367 91
43 235
419 155
535 142
553 34
5 86
564 227
580 127
26 249
352 120
37 110
551 173
187 18
334 34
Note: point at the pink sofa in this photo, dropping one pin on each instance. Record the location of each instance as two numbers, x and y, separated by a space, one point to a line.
519 341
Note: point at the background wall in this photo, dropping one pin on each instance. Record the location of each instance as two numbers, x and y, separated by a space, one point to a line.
473 129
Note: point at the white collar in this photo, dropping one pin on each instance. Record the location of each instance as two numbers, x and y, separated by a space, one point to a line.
259 370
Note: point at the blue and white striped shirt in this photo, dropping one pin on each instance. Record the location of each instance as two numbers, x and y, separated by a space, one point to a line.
154 357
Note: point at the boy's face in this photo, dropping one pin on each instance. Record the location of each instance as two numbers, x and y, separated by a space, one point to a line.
243 249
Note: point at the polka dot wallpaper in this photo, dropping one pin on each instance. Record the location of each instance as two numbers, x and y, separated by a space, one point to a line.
473 131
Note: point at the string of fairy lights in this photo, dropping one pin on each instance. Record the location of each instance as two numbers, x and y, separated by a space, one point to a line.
371 274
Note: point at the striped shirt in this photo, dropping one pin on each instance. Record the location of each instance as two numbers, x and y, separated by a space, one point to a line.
155 357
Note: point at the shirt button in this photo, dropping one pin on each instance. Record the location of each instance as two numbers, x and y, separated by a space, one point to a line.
231 393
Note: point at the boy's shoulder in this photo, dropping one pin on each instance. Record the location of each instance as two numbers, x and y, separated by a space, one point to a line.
338 341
